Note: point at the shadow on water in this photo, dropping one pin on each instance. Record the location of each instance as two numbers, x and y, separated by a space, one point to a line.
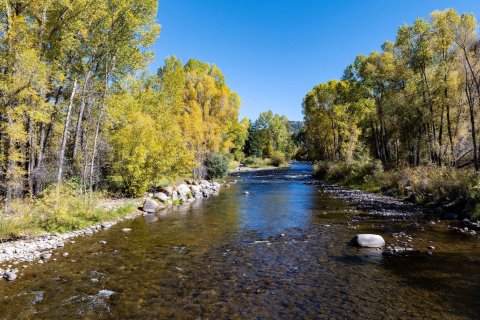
279 252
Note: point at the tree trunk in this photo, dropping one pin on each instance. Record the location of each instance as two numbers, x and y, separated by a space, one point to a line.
80 116
471 105
61 156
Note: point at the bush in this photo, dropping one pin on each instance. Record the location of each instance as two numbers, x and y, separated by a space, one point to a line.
433 184
350 174
277 158
321 168
217 165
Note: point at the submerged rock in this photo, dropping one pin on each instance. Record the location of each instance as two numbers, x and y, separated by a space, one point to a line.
368 241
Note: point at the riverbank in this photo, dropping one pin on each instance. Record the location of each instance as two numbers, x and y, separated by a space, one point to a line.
446 192
40 248
384 206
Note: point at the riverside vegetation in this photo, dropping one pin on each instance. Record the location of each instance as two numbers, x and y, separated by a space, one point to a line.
81 118
404 120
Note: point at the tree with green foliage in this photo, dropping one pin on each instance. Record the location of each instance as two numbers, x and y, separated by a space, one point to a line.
413 103
268 134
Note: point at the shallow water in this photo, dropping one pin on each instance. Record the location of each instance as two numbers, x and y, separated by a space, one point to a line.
279 252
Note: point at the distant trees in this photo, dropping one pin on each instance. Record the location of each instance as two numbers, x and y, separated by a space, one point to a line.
269 134
415 102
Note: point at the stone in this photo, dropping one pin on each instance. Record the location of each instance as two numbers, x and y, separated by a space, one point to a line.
65 254
10 276
102 242
167 190
106 225
182 189
368 241
126 229
150 206
46 256
160 196
195 189
246 192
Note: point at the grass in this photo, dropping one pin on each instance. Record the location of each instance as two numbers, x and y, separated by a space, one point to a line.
57 210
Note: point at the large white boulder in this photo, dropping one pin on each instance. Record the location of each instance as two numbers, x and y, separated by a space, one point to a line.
368 241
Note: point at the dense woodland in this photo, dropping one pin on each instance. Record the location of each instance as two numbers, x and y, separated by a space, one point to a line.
415 102
77 103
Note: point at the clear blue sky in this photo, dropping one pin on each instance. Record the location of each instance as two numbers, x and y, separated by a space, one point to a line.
273 52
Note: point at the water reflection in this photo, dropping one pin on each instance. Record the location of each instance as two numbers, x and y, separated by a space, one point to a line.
276 200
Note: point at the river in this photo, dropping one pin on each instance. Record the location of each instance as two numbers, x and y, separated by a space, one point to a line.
279 252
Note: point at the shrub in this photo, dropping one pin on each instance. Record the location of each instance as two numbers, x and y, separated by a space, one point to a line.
321 168
277 158
352 173
217 165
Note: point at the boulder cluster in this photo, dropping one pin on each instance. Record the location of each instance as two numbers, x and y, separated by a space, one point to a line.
185 192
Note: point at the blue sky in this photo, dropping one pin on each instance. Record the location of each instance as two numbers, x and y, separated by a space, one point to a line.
273 52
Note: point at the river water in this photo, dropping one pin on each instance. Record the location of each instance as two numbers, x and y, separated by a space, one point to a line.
278 253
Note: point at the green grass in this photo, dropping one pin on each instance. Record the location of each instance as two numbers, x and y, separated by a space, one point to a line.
57 210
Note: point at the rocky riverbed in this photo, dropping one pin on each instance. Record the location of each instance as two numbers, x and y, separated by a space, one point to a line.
374 204
41 249
387 207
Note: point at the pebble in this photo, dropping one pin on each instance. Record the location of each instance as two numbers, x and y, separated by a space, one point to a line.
10 276
126 229
246 192
65 254
102 242
431 248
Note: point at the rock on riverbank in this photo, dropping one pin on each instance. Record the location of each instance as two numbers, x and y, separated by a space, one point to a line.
185 192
